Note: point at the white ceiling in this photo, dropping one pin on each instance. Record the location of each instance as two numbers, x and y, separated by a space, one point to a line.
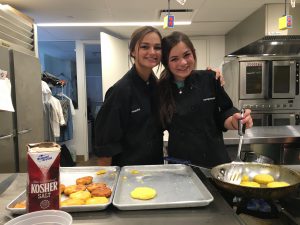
210 17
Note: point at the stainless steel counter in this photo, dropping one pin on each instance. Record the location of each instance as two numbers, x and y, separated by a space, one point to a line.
265 135
218 212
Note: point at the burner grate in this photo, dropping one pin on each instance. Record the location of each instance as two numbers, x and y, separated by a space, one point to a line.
259 208
265 209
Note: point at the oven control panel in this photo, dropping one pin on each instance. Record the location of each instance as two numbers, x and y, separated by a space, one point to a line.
267 106
270 105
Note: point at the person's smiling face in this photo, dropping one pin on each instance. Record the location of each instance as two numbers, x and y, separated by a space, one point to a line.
147 53
181 61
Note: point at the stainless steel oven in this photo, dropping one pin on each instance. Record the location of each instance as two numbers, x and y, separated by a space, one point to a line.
260 119
284 76
253 80
268 85
283 119
267 79
275 118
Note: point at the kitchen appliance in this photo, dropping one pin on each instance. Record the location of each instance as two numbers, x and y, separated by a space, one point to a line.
259 34
266 79
25 125
268 85
17 56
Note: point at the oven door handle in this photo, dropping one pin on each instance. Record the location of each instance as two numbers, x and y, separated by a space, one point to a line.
269 120
297 119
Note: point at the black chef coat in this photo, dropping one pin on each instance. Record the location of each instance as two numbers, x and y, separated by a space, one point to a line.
127 127
195 132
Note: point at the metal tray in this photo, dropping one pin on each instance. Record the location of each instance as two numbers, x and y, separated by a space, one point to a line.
68 176
176 185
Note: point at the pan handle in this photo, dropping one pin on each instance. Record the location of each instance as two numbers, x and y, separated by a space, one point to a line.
175 160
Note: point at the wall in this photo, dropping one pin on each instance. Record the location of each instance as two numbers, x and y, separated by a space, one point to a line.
210 51
93 86
114 55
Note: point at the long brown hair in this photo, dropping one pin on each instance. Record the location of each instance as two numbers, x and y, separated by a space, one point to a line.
167 102
138 35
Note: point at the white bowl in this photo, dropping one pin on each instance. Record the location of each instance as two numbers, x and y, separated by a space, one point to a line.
49 217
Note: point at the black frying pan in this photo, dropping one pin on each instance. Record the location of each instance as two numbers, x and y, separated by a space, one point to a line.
251 169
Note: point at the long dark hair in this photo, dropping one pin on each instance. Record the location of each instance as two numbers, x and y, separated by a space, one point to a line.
138 35
167 102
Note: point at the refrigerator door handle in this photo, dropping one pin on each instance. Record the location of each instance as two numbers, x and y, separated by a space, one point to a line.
6 136
24 131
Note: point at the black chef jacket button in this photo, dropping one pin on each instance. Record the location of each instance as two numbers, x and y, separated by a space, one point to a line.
193 108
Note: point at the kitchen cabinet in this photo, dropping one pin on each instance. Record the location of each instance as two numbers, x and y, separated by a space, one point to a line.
26 124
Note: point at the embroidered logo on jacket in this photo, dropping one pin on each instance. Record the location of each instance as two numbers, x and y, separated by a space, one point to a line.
136 110
209 99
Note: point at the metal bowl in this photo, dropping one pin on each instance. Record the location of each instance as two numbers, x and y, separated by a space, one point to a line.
251 169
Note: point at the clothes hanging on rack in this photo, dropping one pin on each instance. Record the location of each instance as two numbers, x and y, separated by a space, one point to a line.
66 132
48 130
71 105
57 114
60 106
52 79
53 115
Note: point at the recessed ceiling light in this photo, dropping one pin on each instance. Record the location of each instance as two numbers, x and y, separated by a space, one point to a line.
181 2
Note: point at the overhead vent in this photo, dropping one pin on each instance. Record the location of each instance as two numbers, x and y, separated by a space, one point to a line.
282 37
16 30
259 34
180 14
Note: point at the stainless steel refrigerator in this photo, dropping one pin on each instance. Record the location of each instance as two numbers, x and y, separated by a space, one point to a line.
25 125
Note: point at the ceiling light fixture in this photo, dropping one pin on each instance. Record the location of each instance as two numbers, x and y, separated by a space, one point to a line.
181 2
293 3
110 24
4 6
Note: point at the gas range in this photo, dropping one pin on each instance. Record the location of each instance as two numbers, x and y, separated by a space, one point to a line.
284 211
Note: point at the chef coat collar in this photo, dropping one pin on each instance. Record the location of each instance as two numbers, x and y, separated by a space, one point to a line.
150 82
187 82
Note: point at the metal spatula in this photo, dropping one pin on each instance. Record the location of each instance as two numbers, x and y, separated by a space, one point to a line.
234 174
241 132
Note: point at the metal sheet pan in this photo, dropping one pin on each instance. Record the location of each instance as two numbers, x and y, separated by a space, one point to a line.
176 185
68 176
